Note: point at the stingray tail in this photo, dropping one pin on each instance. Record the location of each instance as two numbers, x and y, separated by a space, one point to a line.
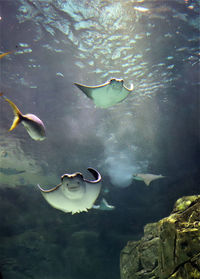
17 113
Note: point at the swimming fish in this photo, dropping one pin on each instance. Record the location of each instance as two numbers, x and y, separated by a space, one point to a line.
147 177
107 94
34 126
104 205
4 54
75 193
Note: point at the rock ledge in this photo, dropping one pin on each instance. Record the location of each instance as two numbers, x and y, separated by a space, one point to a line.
169 249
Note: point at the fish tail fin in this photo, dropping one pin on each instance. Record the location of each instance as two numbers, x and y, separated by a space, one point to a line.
15 123
17 113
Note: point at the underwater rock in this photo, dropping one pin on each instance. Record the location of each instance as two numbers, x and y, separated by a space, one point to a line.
179 247
169 248
139 259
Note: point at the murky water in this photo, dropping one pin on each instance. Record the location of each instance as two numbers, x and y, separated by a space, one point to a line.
153 45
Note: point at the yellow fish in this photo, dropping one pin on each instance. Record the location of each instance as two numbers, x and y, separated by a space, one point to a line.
34 126
4 54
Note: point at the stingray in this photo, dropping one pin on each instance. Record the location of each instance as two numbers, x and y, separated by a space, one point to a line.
75 193
147 178
107 94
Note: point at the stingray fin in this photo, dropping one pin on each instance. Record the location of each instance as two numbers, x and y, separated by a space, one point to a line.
96 175
49 190
129 89
147 181
86 89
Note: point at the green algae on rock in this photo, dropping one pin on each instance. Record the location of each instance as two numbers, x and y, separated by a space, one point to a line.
176 249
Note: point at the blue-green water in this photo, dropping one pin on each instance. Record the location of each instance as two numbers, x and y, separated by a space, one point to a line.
153 45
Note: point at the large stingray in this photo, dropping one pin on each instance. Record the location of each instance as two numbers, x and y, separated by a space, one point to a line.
75 193
107 94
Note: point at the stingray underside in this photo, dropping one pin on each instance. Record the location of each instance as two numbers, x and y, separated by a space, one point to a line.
105 96
62 202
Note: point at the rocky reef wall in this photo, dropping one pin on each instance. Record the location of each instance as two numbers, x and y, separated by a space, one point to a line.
169 249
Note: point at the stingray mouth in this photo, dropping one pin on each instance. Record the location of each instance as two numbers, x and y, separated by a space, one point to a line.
73 187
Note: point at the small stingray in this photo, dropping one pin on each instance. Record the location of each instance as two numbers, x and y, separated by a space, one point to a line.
147 177
107 94
75 193
103 205
34 126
